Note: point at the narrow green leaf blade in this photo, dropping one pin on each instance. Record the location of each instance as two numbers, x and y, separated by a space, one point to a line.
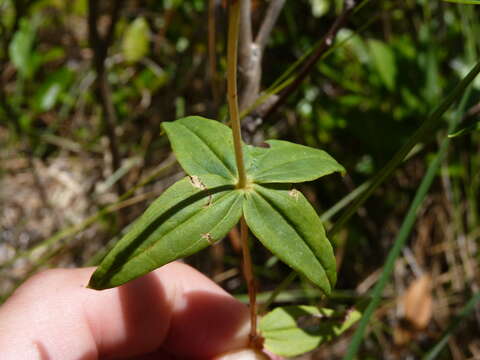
465 2
285 222
286 162
294 330
202 146
190 215
21 48
49 93
384 61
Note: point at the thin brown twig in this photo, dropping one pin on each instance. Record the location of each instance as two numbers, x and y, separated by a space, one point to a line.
100 45
212 54
314 57
247 59
245 36
269 21
41 190
251 52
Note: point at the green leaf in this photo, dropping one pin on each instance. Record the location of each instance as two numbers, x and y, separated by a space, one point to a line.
48 94
319 7
179 223
285 222
136 40
294 330
190 215
384 61
202 146
286 162
21 49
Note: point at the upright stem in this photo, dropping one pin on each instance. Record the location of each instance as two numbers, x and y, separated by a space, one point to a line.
233 26
249 278
233 30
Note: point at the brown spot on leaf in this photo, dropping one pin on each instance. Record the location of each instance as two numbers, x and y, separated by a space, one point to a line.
209 238
196 182
294 193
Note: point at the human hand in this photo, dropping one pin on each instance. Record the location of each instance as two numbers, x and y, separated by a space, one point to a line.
173 312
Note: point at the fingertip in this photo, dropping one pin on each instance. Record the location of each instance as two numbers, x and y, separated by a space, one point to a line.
206 320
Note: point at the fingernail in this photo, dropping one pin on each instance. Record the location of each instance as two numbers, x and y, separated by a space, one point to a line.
243 354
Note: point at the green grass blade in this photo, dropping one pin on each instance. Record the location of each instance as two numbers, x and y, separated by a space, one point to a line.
404 231
464 2
427 128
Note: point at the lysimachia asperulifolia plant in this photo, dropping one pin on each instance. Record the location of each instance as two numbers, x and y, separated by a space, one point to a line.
202 208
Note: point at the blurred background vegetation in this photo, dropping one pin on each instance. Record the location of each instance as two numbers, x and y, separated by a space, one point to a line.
85 85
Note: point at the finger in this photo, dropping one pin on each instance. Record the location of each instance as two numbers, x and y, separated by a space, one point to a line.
54 316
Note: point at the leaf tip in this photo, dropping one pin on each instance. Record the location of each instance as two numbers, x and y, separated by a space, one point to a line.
91 285
327 290
98 282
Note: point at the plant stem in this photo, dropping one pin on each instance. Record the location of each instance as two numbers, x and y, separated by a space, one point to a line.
249 278
233 29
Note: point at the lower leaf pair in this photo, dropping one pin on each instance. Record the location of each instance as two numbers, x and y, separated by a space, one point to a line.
201 208
193 214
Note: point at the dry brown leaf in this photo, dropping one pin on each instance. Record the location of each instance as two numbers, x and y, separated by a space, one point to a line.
418 302
416 308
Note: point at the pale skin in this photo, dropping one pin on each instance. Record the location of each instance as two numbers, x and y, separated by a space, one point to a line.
173 312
